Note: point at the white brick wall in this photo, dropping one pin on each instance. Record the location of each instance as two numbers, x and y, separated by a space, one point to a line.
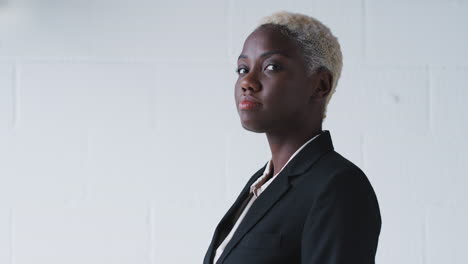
100 101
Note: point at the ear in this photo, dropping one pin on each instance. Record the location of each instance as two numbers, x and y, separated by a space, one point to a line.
323 83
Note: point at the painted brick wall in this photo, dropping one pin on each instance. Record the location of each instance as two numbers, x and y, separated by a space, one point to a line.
120 142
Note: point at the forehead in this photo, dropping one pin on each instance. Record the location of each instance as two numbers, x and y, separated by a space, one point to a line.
269 38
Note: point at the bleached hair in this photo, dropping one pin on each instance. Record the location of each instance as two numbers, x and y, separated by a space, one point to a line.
319 46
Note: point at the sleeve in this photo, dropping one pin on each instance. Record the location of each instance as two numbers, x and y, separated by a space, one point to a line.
343 224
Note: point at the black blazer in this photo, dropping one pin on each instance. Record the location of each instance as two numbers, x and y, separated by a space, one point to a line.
321 209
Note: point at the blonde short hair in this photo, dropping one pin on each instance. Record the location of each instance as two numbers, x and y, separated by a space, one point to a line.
319 46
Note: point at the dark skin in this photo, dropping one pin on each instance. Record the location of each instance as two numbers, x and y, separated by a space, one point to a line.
272 70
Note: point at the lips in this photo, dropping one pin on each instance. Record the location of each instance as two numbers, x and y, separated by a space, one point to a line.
249 103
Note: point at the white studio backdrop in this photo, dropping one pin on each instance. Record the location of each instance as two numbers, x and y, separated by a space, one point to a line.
120 141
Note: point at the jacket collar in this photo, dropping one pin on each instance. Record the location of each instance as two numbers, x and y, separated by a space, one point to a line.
309 154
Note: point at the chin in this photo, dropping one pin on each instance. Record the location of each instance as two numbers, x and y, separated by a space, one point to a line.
253 127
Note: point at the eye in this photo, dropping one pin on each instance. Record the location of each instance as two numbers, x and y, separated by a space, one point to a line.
273 67
241 70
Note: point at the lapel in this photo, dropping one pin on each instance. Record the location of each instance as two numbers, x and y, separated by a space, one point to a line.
278 187
226 223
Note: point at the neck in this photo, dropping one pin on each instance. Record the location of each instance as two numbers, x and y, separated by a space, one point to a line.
283 145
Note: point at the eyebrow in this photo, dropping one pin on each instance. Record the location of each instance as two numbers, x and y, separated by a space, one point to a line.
265 54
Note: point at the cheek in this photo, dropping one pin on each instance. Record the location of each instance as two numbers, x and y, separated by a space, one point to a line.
278 90
285 95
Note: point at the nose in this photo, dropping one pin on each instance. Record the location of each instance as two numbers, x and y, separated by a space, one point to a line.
250 82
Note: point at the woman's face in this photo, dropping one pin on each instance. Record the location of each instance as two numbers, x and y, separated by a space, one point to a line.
271 71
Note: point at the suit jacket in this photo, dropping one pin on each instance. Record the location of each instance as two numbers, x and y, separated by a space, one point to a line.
320 209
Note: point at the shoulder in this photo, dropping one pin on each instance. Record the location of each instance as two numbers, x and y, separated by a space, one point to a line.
345 173
343 176
347 188
335 163
335 177
333 169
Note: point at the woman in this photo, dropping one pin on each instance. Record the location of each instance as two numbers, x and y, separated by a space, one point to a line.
307 204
